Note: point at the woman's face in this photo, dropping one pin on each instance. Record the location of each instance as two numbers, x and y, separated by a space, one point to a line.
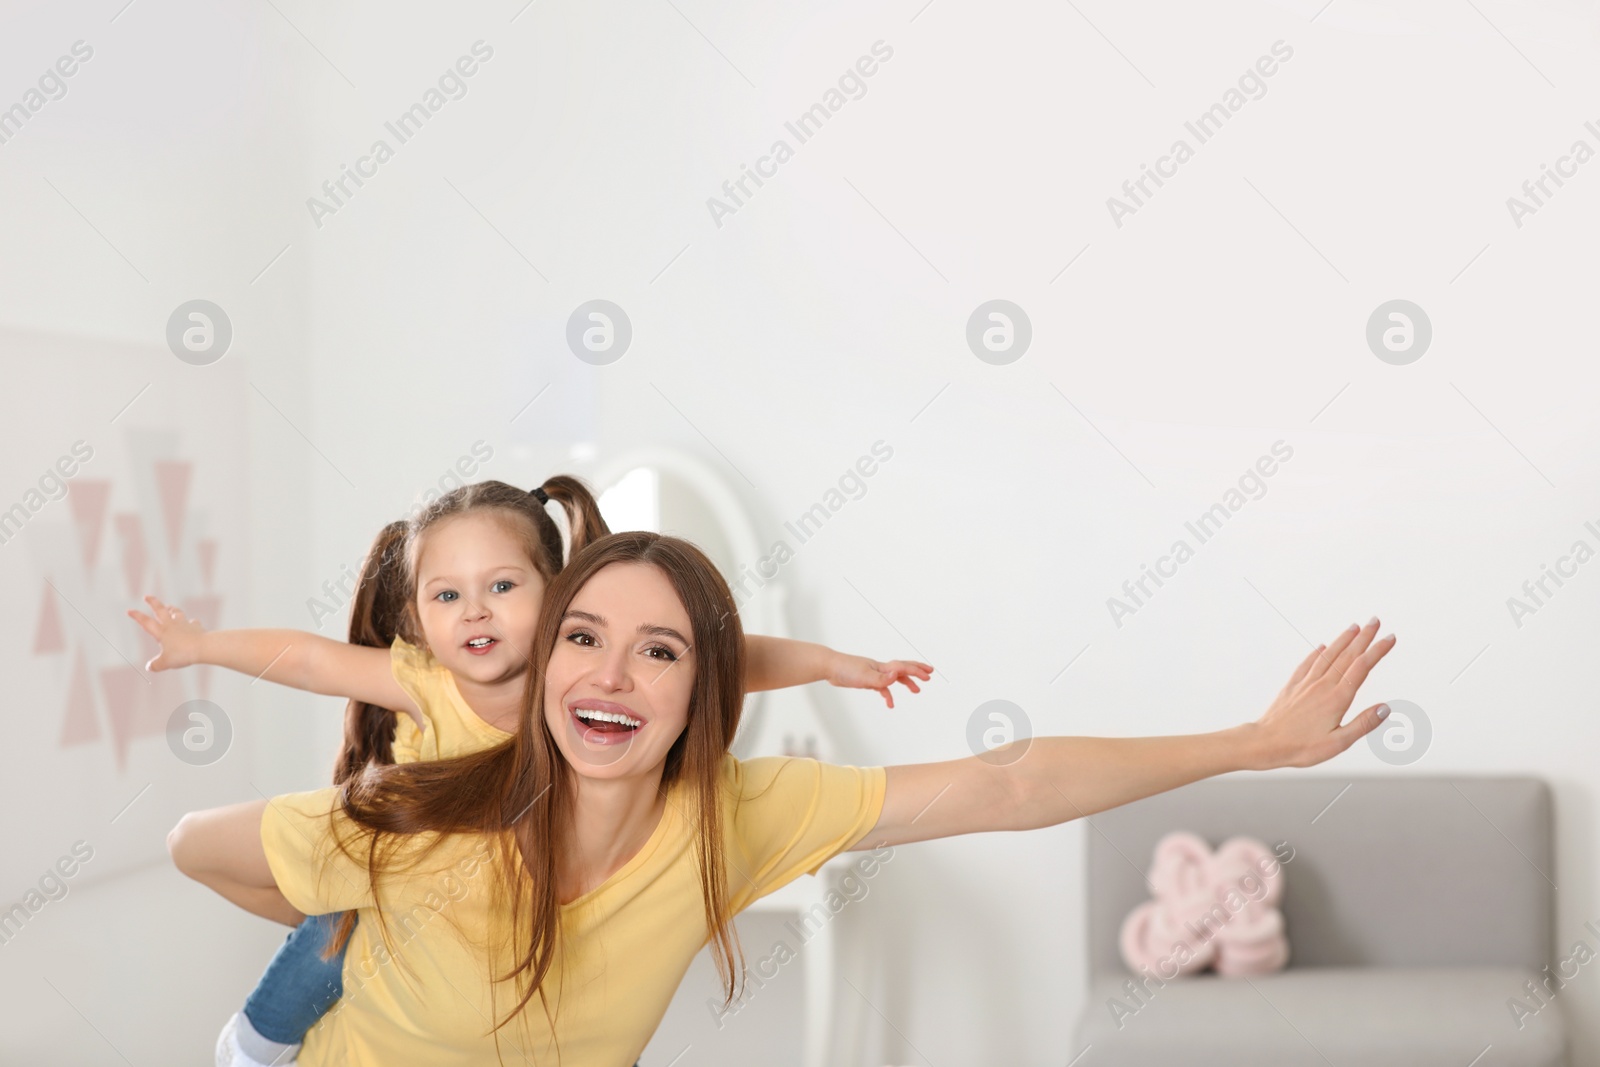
478 597
617 690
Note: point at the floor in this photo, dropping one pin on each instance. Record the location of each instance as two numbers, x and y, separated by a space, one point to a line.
142 969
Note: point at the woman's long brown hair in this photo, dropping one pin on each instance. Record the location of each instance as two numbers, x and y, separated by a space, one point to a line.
523 792
383 606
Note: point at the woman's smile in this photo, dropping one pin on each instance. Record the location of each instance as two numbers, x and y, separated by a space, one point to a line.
601 722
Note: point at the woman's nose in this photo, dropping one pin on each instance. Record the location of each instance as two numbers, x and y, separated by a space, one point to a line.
614 672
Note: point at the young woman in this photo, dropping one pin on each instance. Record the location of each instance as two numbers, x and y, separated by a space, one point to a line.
441 628
544 898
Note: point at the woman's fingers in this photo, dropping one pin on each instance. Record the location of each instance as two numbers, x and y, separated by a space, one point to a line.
1353 648
1305 666
1304 721
1362 665
1358 727
1335 648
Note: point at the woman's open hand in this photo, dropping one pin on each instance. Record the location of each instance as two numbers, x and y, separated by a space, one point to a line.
1302 727
859 672
179 637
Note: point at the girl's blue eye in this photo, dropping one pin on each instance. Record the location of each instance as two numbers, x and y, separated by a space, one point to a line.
445 593
507 582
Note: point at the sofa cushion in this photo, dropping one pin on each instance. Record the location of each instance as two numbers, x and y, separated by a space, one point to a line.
1317 1016
1382 871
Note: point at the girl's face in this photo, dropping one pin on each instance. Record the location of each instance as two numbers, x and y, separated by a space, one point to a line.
617 690
478 598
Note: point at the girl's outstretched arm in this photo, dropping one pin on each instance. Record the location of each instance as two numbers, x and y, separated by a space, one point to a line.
289 657
778 663
1055 779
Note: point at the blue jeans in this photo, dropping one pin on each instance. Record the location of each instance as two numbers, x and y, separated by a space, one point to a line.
298 986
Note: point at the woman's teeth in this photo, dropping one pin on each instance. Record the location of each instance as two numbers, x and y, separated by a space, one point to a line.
590 715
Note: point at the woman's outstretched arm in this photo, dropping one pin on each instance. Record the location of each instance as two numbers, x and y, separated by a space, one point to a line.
1056 779
221 849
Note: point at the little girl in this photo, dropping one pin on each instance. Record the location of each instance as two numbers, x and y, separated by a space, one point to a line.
441 628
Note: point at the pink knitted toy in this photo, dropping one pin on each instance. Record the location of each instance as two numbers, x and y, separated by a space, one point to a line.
1210 908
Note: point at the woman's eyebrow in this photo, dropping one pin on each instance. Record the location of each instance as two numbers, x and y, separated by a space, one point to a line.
663 631
644 627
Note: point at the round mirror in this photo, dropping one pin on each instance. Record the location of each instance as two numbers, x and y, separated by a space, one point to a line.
675 493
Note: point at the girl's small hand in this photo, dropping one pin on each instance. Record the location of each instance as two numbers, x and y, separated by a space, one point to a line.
179 637
1302 727
859 672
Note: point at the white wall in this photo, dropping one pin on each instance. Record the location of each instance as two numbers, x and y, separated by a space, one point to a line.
166 155
1227 314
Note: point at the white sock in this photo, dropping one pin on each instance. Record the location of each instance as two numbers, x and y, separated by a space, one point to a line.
239 1045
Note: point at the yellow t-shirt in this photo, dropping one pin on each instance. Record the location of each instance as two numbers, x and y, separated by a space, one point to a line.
454 729
626 944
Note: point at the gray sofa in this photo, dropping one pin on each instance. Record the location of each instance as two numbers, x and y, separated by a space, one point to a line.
1416 909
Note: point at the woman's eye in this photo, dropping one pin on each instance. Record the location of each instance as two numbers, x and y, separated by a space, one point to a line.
507 582
580 637
666 653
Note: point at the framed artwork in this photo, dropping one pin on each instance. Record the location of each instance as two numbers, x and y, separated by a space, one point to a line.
125 474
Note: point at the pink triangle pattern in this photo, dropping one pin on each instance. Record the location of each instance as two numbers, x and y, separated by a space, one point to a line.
172 483
163 696
88 498
138 704
207 547
135 554
121 686
49 637
80 725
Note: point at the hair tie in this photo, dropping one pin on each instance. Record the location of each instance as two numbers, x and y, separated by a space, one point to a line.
538 493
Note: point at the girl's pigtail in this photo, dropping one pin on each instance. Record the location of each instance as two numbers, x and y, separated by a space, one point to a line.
583 513
377 616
